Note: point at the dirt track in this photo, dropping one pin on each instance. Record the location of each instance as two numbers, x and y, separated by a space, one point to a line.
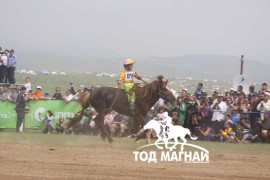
22 161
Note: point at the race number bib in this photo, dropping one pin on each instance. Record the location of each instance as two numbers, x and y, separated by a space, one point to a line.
129 75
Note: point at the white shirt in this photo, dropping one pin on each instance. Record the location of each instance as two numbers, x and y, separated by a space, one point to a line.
4 59
27 86
266 106
218 115
69 97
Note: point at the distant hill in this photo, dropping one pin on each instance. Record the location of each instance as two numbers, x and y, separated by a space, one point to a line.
210 67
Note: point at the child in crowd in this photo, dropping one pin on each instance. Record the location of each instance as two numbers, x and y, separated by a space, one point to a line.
227 134
161 114
60 125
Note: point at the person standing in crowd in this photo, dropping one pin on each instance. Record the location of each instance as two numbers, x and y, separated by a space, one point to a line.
126 79
11 66
219 108
264 107
27 84
263 89
3 66
20 105
240 89
199 92
57 95
251 92
68 97
184 94
180 109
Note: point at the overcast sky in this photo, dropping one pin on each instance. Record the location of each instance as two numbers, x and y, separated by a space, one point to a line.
139 28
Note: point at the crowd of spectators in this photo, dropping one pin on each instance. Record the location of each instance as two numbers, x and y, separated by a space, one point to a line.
232 117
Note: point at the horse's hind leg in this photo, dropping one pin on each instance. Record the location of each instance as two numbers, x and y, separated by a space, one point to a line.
100 123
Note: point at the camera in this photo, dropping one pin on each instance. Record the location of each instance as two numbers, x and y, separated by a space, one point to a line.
191 102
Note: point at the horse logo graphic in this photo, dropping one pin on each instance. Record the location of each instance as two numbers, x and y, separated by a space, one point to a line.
166 131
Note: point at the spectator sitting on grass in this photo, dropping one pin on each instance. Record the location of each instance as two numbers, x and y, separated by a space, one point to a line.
206 133
118 124
93 128
48 122
242 135
38 93
68 97
57 95
60 125
227 134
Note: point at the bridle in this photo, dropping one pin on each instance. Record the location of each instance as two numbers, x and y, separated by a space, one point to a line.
164 94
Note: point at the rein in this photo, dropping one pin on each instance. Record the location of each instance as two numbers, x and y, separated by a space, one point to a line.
108 109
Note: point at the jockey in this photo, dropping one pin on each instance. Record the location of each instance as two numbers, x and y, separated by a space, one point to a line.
126 79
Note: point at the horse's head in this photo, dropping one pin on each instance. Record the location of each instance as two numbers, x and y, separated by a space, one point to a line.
164 91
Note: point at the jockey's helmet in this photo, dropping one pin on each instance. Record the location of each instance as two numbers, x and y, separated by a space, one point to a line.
128 62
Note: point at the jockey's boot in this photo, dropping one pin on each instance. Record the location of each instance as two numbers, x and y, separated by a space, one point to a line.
131 107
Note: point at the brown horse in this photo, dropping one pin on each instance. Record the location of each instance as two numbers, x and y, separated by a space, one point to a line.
104 99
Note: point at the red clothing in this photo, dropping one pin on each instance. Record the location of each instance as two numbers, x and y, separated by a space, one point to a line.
38 94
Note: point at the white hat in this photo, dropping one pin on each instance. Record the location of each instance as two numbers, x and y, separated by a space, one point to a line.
220 95
185 90
39 87
231 89
267 93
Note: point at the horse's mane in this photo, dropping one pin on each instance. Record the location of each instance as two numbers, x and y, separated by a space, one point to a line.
143 92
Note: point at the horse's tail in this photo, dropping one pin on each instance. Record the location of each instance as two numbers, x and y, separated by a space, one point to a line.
84 100
192 138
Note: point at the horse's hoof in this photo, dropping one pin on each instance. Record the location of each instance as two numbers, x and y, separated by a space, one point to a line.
110 141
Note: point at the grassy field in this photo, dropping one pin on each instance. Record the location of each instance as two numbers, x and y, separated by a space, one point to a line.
35 137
